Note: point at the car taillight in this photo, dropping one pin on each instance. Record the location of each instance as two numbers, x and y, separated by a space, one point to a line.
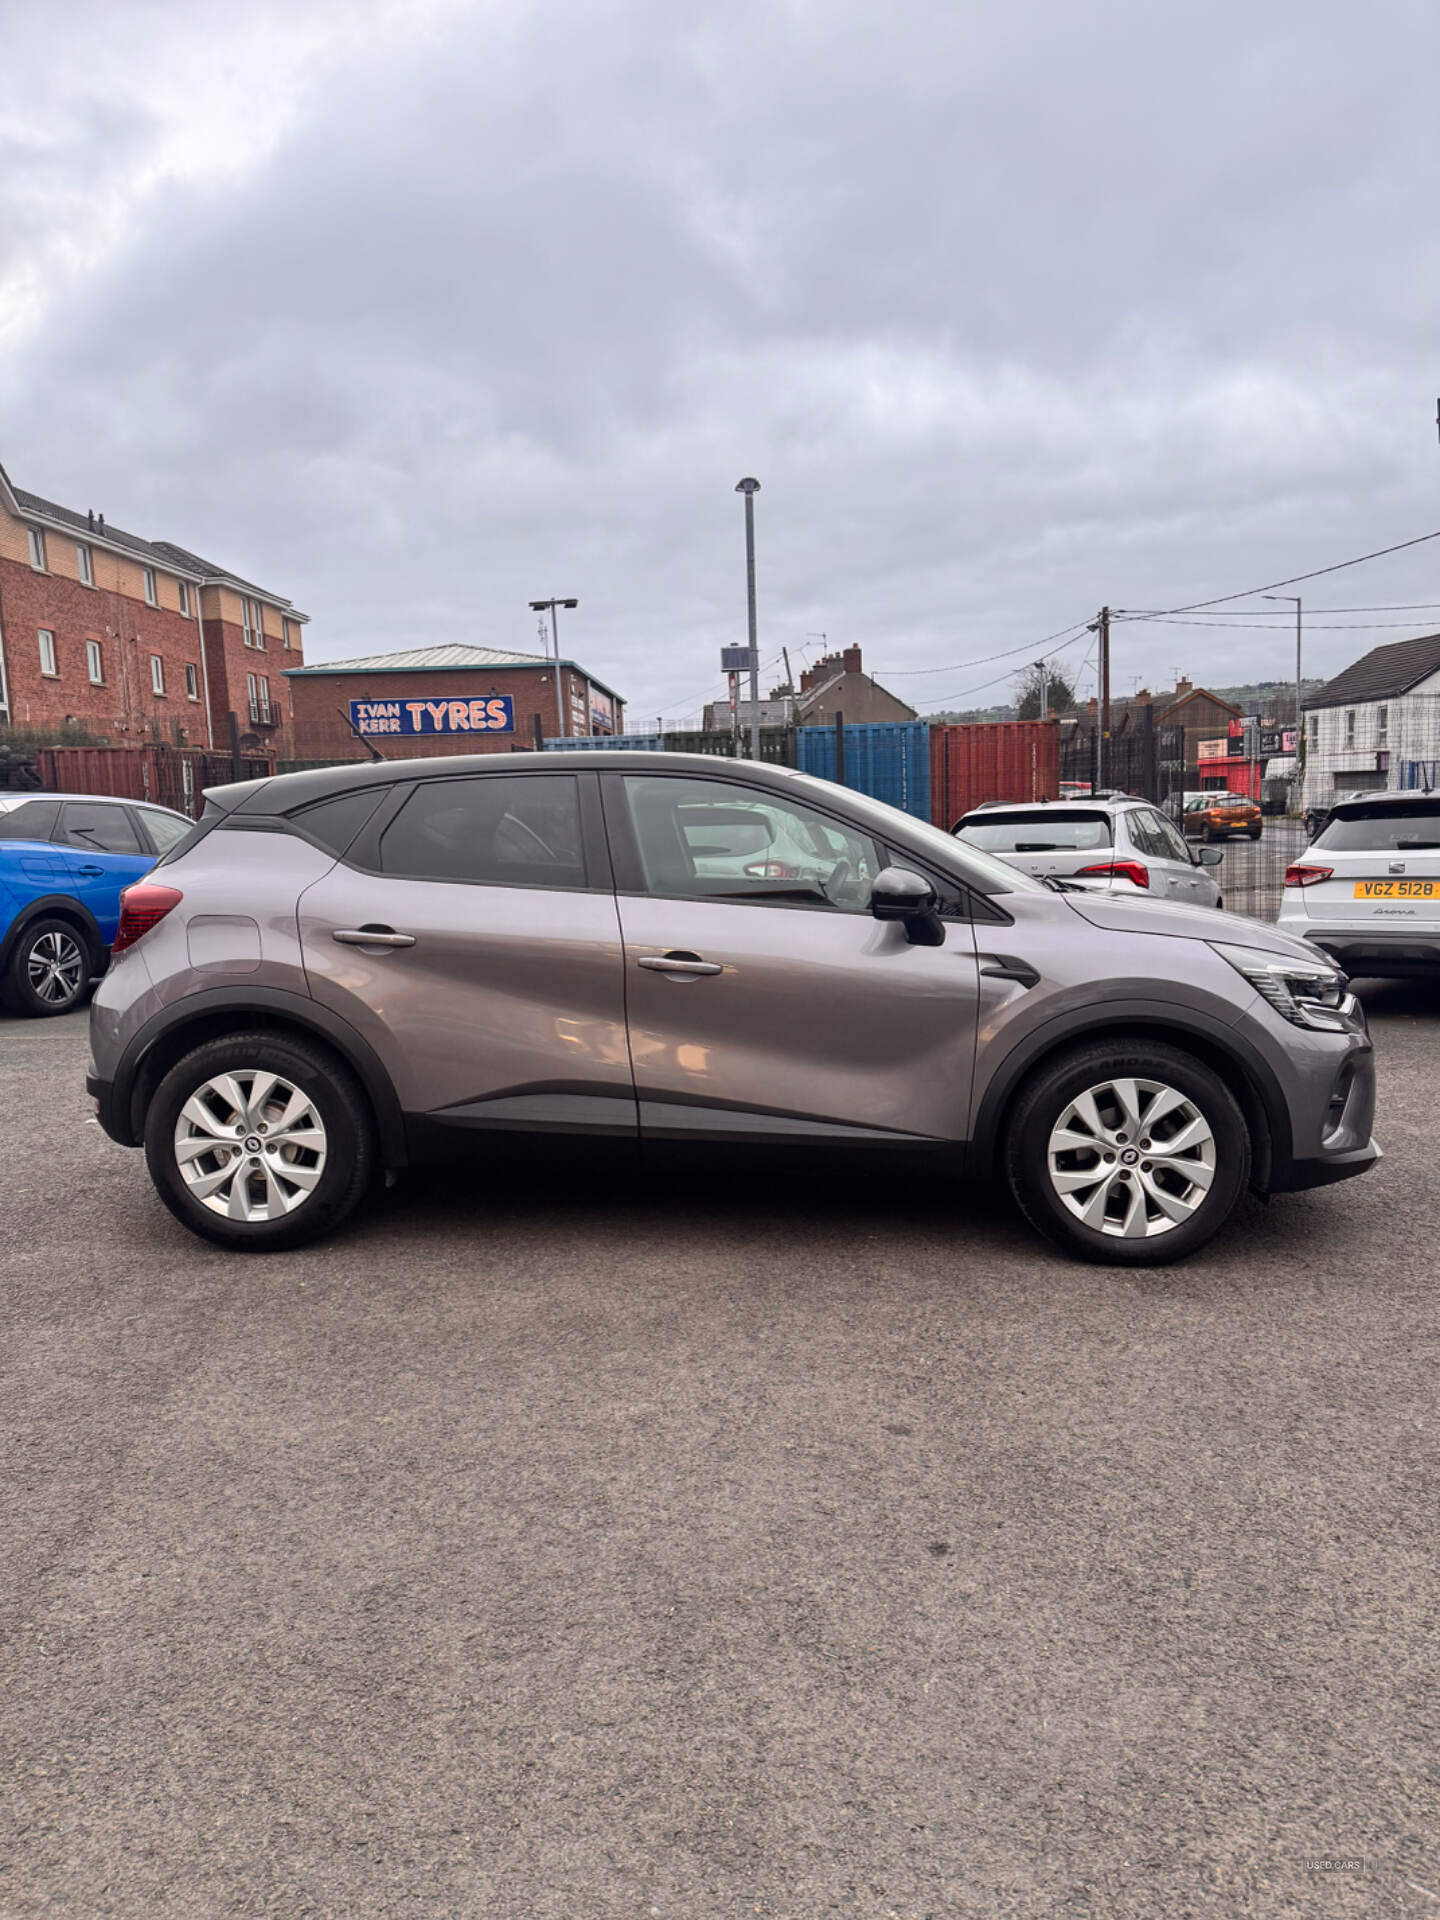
142 907
1123 870
1306 876
772 870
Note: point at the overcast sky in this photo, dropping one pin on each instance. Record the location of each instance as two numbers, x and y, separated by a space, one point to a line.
414 312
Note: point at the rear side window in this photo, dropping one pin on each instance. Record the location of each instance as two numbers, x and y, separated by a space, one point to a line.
1037 832
1409 828
335 823
35 820
498 830
96 828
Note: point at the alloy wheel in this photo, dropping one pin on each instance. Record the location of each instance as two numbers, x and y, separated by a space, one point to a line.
250 1145
1131 1157
55 968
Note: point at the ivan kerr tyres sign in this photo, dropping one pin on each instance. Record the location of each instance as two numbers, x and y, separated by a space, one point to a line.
494 714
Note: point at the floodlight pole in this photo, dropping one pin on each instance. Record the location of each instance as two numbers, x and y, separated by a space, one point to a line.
542 606
750 488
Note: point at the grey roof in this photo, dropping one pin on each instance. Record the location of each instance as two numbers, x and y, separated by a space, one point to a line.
454 655
150 550
1382 674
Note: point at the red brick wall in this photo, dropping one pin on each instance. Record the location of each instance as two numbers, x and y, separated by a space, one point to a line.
230 662
125 708
320 733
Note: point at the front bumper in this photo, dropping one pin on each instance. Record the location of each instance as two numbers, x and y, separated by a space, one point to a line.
1302 1174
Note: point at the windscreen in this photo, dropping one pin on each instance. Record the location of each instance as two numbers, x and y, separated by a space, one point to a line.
1410 826
1037 832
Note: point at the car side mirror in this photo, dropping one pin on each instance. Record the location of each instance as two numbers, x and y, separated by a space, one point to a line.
900 894
1209 856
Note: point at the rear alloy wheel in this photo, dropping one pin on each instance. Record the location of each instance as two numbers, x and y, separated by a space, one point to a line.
1134 1155
49 969
262 1141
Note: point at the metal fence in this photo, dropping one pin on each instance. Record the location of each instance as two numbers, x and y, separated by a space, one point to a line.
171 776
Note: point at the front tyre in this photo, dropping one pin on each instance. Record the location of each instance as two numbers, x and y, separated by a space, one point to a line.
1134 1155
49 970
260 1141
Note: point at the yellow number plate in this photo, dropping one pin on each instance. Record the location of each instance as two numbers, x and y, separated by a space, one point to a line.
1397 889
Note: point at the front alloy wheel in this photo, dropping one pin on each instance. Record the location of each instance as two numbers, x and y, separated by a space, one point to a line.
1133 1158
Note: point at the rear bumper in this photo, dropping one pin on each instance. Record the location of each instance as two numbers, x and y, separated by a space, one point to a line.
112 1122
1377 953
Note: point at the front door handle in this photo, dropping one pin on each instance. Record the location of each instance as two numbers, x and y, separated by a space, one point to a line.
372 937
1005 966
688 964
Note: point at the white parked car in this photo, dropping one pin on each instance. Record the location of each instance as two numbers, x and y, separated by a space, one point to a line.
1367 888
1106 846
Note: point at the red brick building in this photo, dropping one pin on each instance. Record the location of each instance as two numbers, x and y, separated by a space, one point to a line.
136 640
452 685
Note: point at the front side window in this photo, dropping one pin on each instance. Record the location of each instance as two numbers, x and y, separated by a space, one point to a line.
497 830
98 828
152 598
95 663
711 840
1167 843
85 566
157 673
37 548
48 664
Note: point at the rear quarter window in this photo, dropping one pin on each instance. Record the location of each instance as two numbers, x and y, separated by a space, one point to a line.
335 823
35 820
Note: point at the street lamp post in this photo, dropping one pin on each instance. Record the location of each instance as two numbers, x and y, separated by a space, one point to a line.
543 606
1294 599
750 488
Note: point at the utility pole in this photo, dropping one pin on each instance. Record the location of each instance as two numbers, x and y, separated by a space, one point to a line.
1103 769
750 488
540 606
790 682
1299 730
1040 669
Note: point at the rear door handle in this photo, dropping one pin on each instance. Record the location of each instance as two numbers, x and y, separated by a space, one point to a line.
683 963
372 937
91 873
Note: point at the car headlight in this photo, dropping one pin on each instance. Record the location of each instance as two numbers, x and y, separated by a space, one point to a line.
1308 993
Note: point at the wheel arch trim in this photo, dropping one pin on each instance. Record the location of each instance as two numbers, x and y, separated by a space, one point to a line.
63 905
268 1006
1254 1079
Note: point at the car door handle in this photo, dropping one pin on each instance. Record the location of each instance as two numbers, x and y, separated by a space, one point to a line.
372 937
91 873
689 964
1005 966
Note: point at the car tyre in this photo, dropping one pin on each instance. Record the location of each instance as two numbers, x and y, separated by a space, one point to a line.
50 969
1037 1171
282 1118
1254 833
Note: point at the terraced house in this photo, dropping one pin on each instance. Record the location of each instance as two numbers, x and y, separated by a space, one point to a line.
135 640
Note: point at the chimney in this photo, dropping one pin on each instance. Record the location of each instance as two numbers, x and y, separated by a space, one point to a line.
1182 687
102 526
1092 706
1142 698
808 679
851 659
90 518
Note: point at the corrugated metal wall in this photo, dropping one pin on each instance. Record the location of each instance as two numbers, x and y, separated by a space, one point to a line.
888 759
170 776
1012 760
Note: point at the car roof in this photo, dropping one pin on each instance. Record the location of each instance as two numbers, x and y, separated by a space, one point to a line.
16 797
1081 804
1376 806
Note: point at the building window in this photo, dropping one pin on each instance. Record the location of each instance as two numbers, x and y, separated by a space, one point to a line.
192 684
1349 726
85 566
47 654
95 663
157 674
1382 719
259 689
151 597
184 590
252 623
1314 731
292 636
37 548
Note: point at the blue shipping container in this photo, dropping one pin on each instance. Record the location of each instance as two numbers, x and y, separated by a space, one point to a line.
889 760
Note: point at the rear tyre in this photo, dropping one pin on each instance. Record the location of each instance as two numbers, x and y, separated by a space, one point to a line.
260 1141
49 970
1254 833
1129 1154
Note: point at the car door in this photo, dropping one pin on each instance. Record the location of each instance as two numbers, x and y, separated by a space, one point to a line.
1173 875
1191 882
764 1001
102 852
491 985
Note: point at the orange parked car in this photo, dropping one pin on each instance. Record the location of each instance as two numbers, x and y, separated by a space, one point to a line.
1215 816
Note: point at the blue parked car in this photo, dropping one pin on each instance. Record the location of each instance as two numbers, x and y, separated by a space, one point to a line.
64 860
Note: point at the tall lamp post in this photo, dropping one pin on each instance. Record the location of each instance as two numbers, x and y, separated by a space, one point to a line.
750 488
544 606
1294 600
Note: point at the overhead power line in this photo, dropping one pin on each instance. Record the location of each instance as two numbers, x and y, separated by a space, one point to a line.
1339 566
1075 629
1280 613
1257 626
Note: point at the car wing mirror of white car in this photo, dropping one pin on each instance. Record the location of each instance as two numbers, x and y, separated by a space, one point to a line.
1209 856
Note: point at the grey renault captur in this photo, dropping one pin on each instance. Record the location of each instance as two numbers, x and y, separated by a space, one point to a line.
345 971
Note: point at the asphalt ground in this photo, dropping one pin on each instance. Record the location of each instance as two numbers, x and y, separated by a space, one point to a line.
582 1544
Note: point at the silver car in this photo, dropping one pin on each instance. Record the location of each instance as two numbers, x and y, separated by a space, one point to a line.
341 972
1108 845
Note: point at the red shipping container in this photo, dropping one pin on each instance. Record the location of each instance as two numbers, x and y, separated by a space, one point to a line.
1015 760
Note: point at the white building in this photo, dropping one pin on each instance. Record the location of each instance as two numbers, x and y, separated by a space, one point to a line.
1376 726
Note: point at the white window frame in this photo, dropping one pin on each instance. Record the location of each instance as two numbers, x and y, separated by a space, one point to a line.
184 590
1349 727
49 661
258 688
37 549
1314 730
192 682
152 595
95 662
254 624
85 565
157 674
1382 726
